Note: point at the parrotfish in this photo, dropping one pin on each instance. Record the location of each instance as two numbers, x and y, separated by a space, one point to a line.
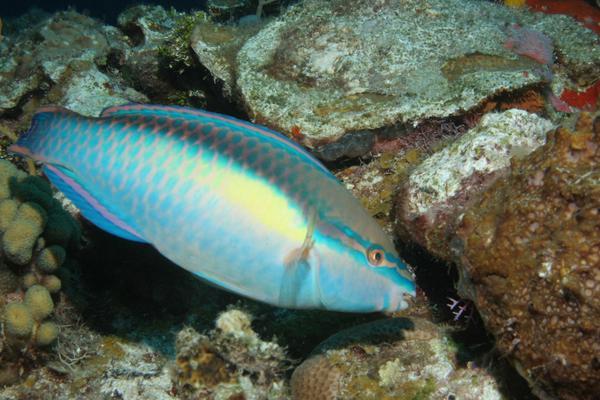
237 204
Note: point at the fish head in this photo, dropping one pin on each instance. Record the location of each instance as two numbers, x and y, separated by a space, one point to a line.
360 271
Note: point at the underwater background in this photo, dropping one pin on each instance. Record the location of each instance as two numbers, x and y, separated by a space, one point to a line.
104 10
468 130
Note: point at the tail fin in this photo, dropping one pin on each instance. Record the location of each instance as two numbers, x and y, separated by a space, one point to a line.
41 125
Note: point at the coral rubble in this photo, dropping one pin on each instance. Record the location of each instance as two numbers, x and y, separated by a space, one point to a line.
230 360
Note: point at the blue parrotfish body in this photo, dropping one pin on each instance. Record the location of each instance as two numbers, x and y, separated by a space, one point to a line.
237 204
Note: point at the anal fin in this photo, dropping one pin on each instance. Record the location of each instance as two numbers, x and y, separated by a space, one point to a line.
87 204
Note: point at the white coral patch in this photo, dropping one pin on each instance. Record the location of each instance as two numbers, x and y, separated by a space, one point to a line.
482 150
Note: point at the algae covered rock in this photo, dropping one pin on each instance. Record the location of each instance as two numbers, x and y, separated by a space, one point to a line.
397 358
375 183
64 58
327 69
433 198
216 46
146 25
148 28
530 260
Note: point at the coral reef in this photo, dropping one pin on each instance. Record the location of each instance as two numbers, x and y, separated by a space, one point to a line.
228 10
396 358
93 367
581 10
244 11
61 60
436 193
34 233
530 260
216 46
230 361
148 28
326 81
381 176
530 43
391 94
176 51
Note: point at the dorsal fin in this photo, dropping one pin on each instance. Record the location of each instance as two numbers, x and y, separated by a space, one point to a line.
127 109
27 142
87 203
53 109
210 117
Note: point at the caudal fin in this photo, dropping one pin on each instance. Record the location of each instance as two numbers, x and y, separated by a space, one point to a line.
30 143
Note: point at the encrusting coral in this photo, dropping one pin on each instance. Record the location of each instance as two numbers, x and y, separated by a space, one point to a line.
229 361
433 198
530 260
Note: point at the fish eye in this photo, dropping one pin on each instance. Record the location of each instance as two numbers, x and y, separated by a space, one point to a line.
375 256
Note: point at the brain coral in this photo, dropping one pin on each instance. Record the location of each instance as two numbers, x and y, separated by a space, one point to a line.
531 262
396 358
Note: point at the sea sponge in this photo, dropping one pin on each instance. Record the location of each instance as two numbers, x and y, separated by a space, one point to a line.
530 43
51 258
34 189
8 211
61 228
9 281
18 320
39 301
52 283
46 333
19 240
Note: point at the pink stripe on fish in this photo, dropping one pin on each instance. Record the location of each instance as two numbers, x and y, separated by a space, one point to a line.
93 202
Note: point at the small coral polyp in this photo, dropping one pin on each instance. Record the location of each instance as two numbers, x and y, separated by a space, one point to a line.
35 233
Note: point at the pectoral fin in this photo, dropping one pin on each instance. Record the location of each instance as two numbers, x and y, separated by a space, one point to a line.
298 268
